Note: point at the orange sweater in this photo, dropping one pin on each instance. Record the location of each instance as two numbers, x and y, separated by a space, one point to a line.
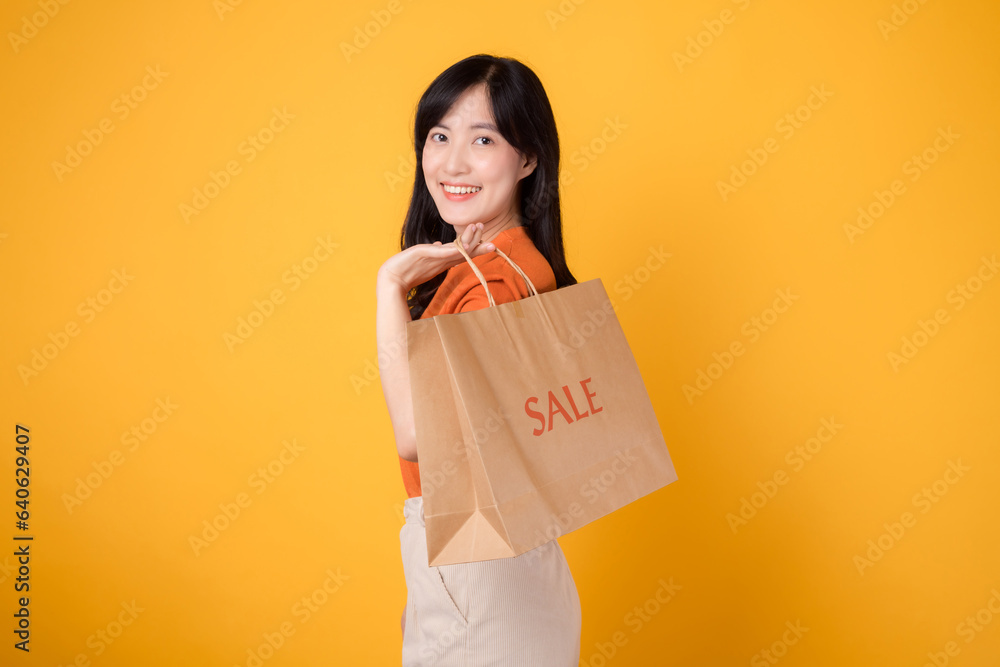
461 291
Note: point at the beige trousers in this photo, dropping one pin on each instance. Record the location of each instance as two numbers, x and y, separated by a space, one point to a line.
509 612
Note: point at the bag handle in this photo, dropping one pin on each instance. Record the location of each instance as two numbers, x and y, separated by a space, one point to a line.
531 288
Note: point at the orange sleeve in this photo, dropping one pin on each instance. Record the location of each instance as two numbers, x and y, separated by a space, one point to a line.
476 299
411 477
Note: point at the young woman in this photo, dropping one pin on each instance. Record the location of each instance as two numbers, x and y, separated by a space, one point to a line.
487 172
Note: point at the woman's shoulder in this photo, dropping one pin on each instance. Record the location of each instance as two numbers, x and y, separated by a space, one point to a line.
516 243
462 289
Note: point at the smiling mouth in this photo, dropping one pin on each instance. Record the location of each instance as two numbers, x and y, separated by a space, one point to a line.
461 190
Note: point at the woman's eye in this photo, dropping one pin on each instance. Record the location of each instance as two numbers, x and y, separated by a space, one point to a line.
487 139
436 134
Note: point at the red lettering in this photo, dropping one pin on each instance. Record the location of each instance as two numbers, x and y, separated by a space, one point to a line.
569 397
583 383
534 413
555 406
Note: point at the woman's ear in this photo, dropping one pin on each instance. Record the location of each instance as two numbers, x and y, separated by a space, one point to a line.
530 162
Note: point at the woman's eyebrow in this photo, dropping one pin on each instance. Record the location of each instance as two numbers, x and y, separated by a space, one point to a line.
474 126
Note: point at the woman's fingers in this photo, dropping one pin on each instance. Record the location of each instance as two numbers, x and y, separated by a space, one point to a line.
471 239
477 233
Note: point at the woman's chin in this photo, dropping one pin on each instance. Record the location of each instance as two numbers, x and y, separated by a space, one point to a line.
462 223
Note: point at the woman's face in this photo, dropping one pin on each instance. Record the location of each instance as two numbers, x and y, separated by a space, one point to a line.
465 150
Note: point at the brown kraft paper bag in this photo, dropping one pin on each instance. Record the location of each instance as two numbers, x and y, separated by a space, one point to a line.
531 420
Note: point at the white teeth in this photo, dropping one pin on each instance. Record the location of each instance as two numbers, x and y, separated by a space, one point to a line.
460 191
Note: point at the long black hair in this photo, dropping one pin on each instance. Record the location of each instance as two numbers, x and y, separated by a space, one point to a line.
524 118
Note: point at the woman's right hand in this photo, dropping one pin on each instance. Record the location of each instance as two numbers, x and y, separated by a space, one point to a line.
421 262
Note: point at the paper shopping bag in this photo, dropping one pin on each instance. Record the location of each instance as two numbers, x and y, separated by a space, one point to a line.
531 420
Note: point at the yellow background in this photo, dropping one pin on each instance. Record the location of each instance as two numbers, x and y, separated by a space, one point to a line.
339 171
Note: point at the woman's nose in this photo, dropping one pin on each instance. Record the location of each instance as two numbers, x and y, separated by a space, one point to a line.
456 160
